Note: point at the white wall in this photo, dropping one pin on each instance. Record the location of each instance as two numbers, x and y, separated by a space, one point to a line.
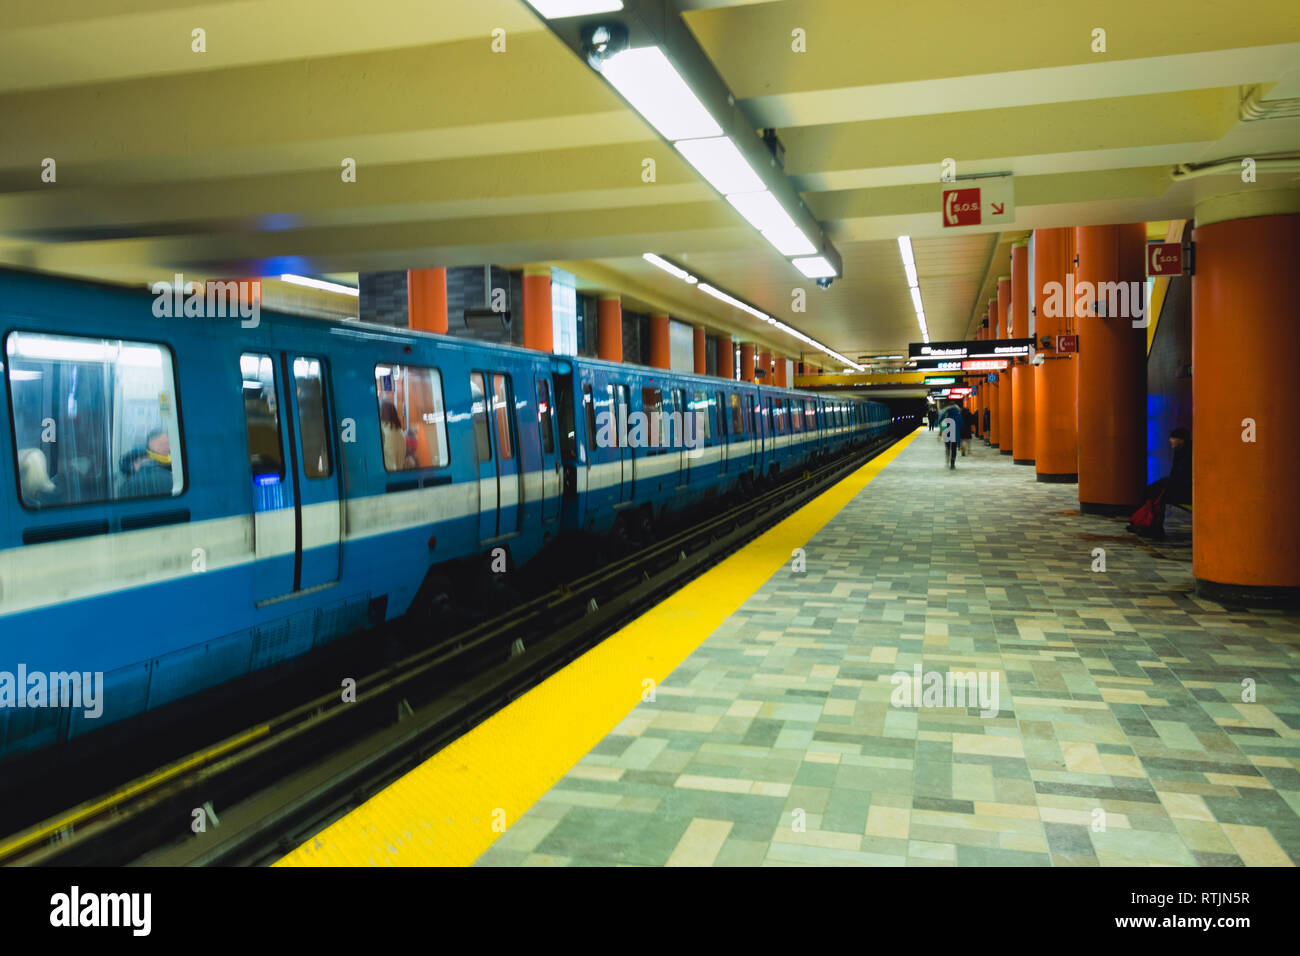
681 345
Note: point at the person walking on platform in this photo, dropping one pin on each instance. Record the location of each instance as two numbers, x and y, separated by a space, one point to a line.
950 425
985 434
967 424
929 419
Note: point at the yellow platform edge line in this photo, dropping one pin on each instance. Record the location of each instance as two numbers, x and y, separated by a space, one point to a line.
454 806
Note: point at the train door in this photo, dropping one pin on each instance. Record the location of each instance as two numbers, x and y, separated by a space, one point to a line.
769 434
618 409
723 433
278 484
550 457
499 487
272 500
317 481
683 412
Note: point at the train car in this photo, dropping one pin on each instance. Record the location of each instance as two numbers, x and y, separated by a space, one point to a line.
184 501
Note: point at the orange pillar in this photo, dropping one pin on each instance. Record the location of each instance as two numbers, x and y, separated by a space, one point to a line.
1022 374
539 327
609 328
426 300
1245 452
747 363
779 372
995 388
1112 369
1006 390
660 348
726 357
764 363
701 352
1056 443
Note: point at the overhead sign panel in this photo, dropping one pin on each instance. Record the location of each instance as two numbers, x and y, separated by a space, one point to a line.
979 202
969 349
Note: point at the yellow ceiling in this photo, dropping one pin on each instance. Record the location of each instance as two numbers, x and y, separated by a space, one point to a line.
227 162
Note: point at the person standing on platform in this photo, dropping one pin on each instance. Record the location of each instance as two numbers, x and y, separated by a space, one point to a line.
986 425
967 424
929 419
950 425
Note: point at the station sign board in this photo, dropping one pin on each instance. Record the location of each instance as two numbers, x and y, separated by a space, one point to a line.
984 365
970 349
1166 259
1067 343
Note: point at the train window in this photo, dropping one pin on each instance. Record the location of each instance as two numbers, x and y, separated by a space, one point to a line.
652 404
501 406
737 415
313 422
589 403
478 408
262 418
411 417
613 437
94 420
720 406
564 418
778 416
700 408
810 413
676 419
796 415
544 416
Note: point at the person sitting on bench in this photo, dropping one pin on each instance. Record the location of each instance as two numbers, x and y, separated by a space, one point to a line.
1176 489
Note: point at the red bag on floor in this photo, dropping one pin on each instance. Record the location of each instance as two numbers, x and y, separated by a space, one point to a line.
1151 516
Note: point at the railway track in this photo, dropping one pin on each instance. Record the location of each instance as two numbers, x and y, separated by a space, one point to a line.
254 796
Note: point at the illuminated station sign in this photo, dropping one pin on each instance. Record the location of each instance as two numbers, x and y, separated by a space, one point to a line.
949 356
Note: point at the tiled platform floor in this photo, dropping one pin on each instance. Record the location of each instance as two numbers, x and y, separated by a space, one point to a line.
1121 738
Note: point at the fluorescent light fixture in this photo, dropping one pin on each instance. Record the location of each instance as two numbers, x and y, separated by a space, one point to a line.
775 323
646 79
557 9
320 284
719 161
668 267
910 269
815 267
768 216
789 242
916 299
732 301
763 212
905 249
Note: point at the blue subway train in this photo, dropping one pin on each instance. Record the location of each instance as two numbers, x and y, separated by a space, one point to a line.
184 501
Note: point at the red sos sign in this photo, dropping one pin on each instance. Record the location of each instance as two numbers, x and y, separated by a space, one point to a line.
961 207
1164 259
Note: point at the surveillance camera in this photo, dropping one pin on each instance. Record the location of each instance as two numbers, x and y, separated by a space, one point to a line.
600 41
825 283
1038 359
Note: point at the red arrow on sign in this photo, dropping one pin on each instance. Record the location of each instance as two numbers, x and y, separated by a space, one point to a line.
998 208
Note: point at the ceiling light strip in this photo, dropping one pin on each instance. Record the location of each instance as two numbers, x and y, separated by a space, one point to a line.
712 290
913 283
